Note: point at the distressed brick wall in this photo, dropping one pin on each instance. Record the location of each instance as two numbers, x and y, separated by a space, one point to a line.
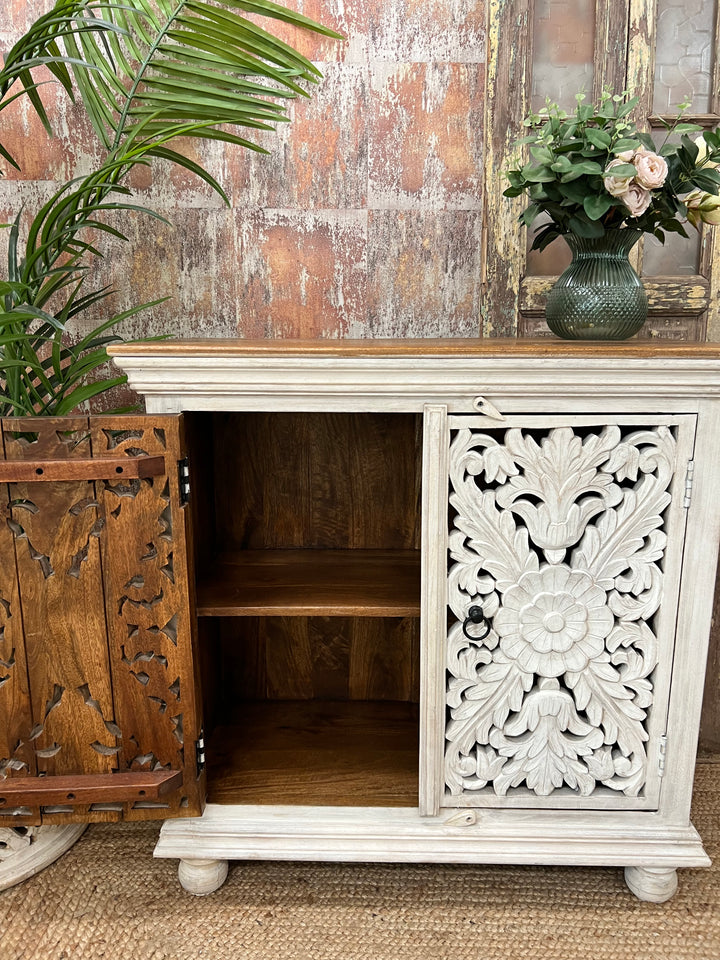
364 221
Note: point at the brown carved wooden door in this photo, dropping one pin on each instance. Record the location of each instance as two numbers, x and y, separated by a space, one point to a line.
99 705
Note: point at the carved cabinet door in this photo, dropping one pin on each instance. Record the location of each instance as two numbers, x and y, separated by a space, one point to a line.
99 709
552 572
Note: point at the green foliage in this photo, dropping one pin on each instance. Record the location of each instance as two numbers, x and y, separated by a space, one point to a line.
593 171
147 72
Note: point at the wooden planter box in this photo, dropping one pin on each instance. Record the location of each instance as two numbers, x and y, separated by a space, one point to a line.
99 716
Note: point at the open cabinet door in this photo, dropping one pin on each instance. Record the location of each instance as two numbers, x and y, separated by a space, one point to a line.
99 698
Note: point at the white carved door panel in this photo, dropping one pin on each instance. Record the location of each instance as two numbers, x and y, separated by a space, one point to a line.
561 545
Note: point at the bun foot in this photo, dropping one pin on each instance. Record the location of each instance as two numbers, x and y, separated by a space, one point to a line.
201 877
656 885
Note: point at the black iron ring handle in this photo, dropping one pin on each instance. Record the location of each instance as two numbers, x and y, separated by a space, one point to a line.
476 615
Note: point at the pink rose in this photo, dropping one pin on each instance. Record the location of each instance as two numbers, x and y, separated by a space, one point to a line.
616 186
637 199
651 169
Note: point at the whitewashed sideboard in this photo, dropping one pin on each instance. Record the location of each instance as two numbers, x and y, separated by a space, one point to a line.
533 693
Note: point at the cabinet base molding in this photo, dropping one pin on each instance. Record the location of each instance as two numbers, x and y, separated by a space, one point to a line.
650 849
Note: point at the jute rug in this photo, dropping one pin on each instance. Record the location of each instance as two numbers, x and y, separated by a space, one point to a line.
108 898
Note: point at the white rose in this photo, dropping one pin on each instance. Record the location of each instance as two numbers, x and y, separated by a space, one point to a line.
625 156
637 199
616 186
651 169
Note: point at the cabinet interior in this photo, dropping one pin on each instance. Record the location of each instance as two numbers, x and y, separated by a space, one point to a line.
307 560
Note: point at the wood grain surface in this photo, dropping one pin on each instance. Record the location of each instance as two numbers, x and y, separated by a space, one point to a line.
313 752
95 599
489 347
47 471
322 481
56 528
307 583
15 708
89 788
148 600
337 658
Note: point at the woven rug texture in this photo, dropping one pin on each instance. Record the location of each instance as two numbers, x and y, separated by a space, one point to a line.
108 898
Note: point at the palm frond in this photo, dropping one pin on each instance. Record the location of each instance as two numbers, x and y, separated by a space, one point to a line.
187 62
147 72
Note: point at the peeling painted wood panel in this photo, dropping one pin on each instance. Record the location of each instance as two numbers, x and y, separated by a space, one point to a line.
426 31
641 55
319 159
426 136
396 124
506 102
675 296
674 328
611 45
301 273
423 271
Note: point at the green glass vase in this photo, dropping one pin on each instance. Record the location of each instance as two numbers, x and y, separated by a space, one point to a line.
599 296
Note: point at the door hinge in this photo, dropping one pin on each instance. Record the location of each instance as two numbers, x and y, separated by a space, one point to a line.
662 747
200 752
688 483
184 480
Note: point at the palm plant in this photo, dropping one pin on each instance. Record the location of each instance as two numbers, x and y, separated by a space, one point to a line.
147 72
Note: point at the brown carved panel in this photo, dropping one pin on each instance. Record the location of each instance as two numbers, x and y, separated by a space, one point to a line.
148 607
55 528
16 754
95 627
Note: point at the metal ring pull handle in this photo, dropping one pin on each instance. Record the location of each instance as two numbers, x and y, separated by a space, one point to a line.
477 616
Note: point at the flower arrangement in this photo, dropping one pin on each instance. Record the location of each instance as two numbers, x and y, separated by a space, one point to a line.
593 171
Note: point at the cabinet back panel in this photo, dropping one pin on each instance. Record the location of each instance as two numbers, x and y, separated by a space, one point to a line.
319 481
323 658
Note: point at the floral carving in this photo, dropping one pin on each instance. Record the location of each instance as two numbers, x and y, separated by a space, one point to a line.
560 538
553 621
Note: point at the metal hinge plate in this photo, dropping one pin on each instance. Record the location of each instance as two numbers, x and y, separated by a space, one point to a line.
688 483
200 752
184 480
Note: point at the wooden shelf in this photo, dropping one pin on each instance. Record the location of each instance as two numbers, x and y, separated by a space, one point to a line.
310 752
307 583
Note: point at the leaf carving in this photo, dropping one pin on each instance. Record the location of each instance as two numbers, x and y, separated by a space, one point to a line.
560 537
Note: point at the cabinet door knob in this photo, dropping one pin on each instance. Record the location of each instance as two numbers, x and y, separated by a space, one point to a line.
476 616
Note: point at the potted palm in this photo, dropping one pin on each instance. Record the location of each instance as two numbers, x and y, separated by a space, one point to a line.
99 714
147 74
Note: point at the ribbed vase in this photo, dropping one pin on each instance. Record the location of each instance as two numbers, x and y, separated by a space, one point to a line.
599 296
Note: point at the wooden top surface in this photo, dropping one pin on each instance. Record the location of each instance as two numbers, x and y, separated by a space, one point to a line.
550 348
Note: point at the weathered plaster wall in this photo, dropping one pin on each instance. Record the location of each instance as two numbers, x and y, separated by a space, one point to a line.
364 221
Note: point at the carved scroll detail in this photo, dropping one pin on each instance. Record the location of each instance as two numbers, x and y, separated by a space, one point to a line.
147 603
560 538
